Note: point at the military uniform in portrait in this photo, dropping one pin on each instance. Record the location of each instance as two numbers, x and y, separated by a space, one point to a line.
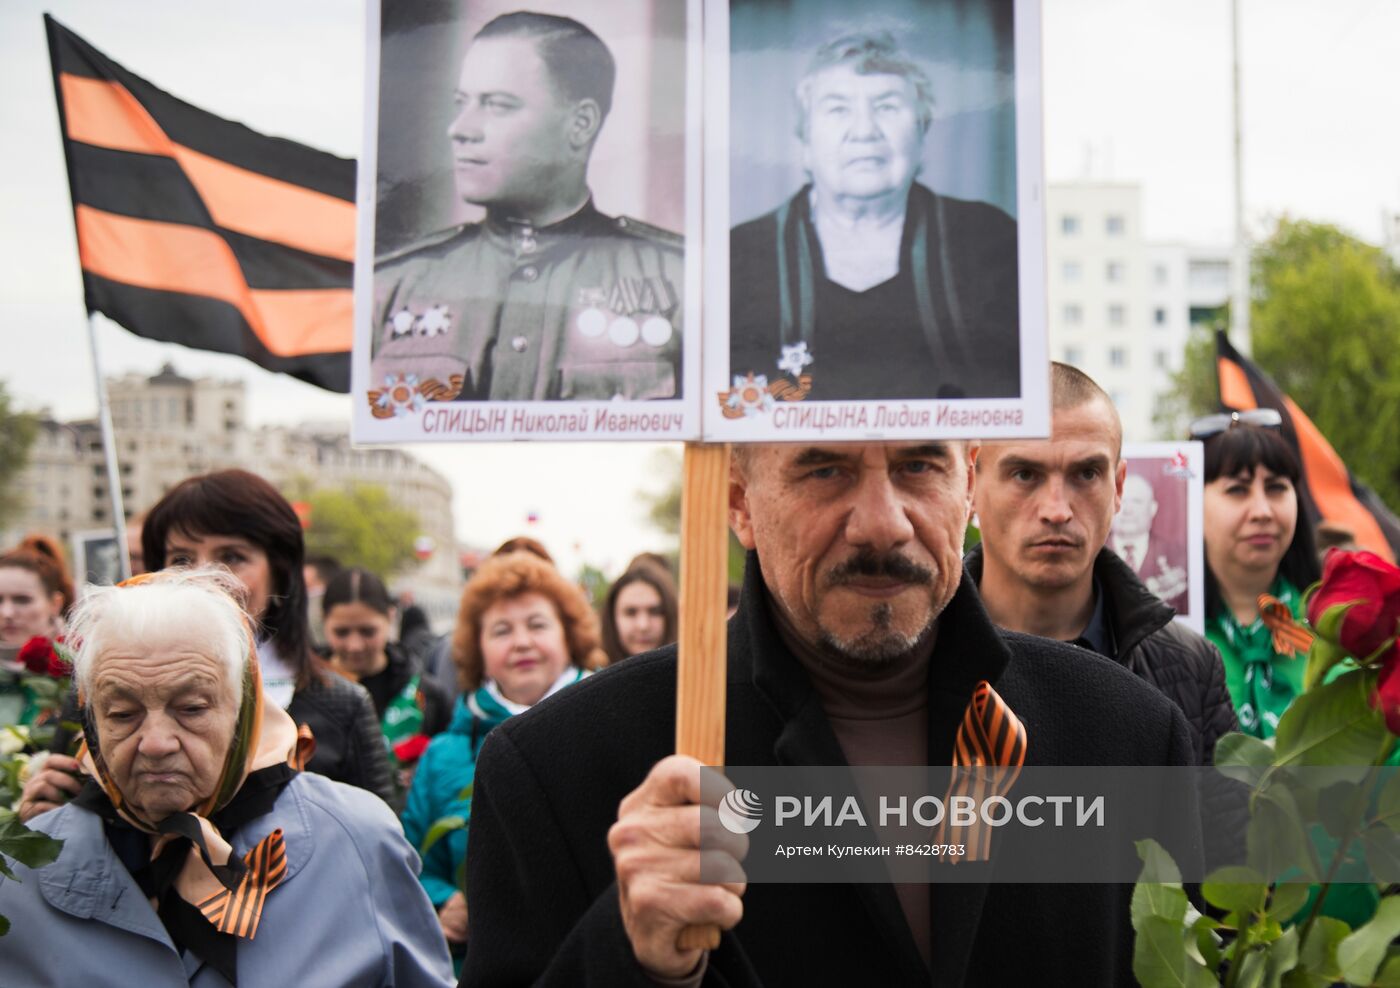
586 308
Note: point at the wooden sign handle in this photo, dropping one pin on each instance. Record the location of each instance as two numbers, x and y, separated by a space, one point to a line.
704 597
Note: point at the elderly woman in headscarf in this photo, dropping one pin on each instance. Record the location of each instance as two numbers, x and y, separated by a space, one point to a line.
197 853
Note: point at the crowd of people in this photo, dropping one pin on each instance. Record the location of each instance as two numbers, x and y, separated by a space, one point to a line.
229 742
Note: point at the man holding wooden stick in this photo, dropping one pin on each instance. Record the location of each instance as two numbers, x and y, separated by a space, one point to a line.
857 642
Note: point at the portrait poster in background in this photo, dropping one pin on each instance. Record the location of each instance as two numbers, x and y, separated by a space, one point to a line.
527 260
874 220
97 557
1158 529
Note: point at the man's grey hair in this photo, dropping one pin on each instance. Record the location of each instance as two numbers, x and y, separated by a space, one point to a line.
196 609
579 63
868 53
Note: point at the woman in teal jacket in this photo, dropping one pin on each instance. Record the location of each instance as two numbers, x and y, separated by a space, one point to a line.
523 633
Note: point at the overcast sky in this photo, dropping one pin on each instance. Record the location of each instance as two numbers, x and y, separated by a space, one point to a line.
1134 91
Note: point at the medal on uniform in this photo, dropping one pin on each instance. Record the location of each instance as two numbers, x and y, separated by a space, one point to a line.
591 322
623 331
401 323
656 330
436 321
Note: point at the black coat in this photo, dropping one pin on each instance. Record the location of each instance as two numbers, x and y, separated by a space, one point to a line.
349 745
541 893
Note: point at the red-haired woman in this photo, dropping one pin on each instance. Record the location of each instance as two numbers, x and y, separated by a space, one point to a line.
524 632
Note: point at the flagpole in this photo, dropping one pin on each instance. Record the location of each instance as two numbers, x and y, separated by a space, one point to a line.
1239 288
109 448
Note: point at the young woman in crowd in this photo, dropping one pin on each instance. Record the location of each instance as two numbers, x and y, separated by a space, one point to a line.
523 633
639 613
236 519
359 616
1257 541
35 593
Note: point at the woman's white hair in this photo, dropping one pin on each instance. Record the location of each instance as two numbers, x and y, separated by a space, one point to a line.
197 609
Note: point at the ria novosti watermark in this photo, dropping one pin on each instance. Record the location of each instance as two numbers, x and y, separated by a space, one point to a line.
842 824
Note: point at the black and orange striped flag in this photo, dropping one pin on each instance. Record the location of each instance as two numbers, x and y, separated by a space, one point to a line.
196 230
1329 491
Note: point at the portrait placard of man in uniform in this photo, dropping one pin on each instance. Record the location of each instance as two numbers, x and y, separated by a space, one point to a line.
878 244
1157 530
518 257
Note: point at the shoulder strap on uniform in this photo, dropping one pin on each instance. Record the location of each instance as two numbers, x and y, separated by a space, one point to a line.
645 231
423 243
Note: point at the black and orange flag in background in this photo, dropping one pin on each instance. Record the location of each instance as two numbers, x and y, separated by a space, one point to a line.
1329 491
196 230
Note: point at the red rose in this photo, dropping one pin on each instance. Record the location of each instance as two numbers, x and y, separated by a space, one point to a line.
1372 582
411 749
1386 699
40 657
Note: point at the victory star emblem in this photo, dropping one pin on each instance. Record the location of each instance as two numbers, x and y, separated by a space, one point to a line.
794 358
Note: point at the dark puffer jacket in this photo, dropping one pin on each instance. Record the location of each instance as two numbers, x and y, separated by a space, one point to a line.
1176 660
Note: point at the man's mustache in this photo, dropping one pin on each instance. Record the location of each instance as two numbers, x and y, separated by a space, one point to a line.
888 565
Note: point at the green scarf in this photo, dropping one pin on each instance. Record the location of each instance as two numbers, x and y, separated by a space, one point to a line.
1261 682
403 717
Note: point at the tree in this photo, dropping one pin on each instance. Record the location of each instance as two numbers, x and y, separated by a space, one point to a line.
1327 329
664 509
359 526
18 431
1325 324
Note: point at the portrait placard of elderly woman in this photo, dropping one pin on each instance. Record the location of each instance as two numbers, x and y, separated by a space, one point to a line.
892 271
197 853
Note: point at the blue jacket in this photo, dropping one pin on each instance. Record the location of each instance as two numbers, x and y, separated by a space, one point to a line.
446 768
348 913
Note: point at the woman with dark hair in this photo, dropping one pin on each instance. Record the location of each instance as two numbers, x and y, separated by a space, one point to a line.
639 613
236 519
1257 541
524 632
359 615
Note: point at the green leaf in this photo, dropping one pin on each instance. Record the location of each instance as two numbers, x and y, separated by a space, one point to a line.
1389 974
1207 941
1341 809
1157 899
1160 959
1359 956
440 829
1332 724
1322 658
1287 899
5 871
1282 958
1317 958
28 847
1275 840
1235 889
4 926
1252 969
1157 864
1388 803
466 792
1329 625
1382 849
1242 757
